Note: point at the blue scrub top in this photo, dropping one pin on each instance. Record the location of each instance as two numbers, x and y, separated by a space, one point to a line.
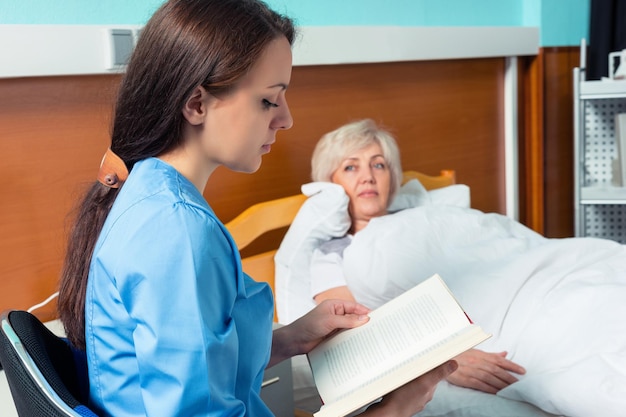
173 326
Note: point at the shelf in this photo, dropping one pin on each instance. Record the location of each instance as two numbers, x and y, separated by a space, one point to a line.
603 195
602 89
600 207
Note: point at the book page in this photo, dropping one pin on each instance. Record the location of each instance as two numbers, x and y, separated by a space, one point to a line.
401 329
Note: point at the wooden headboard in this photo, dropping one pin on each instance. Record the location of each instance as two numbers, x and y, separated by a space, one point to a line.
54 131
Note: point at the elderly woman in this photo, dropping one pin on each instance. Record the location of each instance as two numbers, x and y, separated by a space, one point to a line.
364 159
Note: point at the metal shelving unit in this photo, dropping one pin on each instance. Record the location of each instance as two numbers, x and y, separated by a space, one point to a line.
599 206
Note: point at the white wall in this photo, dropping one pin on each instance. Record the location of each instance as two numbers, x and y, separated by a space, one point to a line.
40 50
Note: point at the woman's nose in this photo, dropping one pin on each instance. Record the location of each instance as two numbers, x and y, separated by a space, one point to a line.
367 176
284 121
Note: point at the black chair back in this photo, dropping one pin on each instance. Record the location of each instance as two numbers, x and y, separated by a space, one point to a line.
45 375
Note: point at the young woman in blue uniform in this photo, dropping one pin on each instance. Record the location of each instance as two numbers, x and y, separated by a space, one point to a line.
152 286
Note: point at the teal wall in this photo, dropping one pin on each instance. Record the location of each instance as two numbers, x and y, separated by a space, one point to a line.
402 12
561 22
564 22
77 12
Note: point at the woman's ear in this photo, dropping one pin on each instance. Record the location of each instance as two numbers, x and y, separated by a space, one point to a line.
195 107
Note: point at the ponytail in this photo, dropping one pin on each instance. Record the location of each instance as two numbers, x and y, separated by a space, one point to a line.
90 217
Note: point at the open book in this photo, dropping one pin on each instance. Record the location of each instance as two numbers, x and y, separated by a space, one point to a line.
404 338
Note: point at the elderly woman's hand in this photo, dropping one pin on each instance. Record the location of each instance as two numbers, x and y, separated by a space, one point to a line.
483 371
309 330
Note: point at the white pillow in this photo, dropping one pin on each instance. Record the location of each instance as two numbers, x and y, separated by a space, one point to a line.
413 194
457 195
323 216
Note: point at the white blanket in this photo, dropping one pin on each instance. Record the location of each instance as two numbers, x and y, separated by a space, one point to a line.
556 305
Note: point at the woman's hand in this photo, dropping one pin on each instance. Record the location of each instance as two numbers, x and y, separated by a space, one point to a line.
331 315
483 371
309 330
412 397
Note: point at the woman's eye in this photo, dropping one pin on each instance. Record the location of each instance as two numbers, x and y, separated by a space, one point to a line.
379 165
349 168
267 104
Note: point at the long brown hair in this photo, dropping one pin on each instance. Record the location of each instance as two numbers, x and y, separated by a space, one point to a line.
186 44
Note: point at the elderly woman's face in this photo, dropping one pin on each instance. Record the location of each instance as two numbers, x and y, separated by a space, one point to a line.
367 180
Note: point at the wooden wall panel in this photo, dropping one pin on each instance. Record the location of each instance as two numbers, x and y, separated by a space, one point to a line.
547 140
531 142
52 135
445 114
54 130
559 139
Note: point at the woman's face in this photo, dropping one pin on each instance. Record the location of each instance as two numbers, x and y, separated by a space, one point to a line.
367 180
241 126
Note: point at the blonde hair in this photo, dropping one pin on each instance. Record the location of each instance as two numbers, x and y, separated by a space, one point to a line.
335 146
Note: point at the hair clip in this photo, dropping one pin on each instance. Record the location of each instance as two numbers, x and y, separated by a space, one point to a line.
113 171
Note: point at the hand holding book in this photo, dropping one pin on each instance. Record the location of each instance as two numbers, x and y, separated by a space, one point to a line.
405 338
412 397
